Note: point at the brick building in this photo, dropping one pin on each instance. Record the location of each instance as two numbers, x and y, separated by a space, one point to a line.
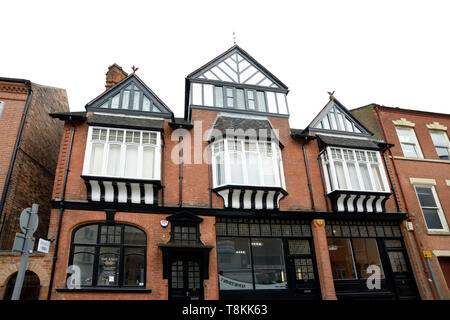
28 140
420 157
227 202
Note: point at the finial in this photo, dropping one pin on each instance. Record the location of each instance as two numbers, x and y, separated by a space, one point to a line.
234 38
134 69
331 94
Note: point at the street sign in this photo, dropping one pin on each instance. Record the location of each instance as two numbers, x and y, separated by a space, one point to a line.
427 254
43 246
19 243
28 219
28 223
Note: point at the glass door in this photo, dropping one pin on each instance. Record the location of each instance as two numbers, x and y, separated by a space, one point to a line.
302 271
184 279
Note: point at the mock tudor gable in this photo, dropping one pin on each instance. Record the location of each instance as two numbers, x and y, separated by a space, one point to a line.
130 96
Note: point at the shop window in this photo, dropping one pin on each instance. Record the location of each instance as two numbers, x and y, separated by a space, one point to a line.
268 263
247 264
351 258
109 255
341 257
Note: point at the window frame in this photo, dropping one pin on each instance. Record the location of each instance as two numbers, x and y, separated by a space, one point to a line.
444 133
2 107
197 98
96 255
440 211
414 143
332 180
277 163
122 159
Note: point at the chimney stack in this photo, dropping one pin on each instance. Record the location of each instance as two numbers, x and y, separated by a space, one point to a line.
114 75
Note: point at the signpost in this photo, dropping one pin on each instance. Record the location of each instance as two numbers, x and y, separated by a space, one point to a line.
24 243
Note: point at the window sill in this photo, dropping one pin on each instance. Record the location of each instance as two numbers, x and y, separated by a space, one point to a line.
105 290
422 159
438 233
120 179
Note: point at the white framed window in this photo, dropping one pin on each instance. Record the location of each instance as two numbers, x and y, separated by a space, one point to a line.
441 143
349 169
247 162
238 98
2 106
123 153
409 143
431 208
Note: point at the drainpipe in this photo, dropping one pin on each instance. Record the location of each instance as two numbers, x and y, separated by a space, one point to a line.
61 212
180 202
16 148
418 244
321 178
313 208
210 176
390 178
162 168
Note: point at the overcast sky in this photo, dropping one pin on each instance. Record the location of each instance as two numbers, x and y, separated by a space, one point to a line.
394 53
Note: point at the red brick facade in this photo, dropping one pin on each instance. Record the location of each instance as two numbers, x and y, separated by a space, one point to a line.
383 121
33 169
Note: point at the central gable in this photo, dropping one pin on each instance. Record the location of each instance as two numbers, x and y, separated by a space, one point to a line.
335 117
238 67
130 96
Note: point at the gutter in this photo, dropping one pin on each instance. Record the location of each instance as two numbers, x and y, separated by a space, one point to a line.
16 145
61 213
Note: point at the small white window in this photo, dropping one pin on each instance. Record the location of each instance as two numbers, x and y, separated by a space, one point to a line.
441 143
409 143
2 106
431 208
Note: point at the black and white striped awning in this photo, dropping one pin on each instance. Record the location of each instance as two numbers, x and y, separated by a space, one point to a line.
354 201
101 189
253 198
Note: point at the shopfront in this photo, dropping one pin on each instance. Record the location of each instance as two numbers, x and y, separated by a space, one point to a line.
266 259
362 253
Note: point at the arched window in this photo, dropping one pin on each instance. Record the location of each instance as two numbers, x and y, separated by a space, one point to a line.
109 255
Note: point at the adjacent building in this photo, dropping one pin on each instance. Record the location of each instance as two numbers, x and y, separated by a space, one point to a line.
227 202
420 157
29 140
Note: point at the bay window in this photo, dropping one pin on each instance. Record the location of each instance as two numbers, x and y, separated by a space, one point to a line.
359 170
122 153
246 162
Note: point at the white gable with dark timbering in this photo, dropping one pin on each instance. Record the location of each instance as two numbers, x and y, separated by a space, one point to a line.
335 117
130 96
237 67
